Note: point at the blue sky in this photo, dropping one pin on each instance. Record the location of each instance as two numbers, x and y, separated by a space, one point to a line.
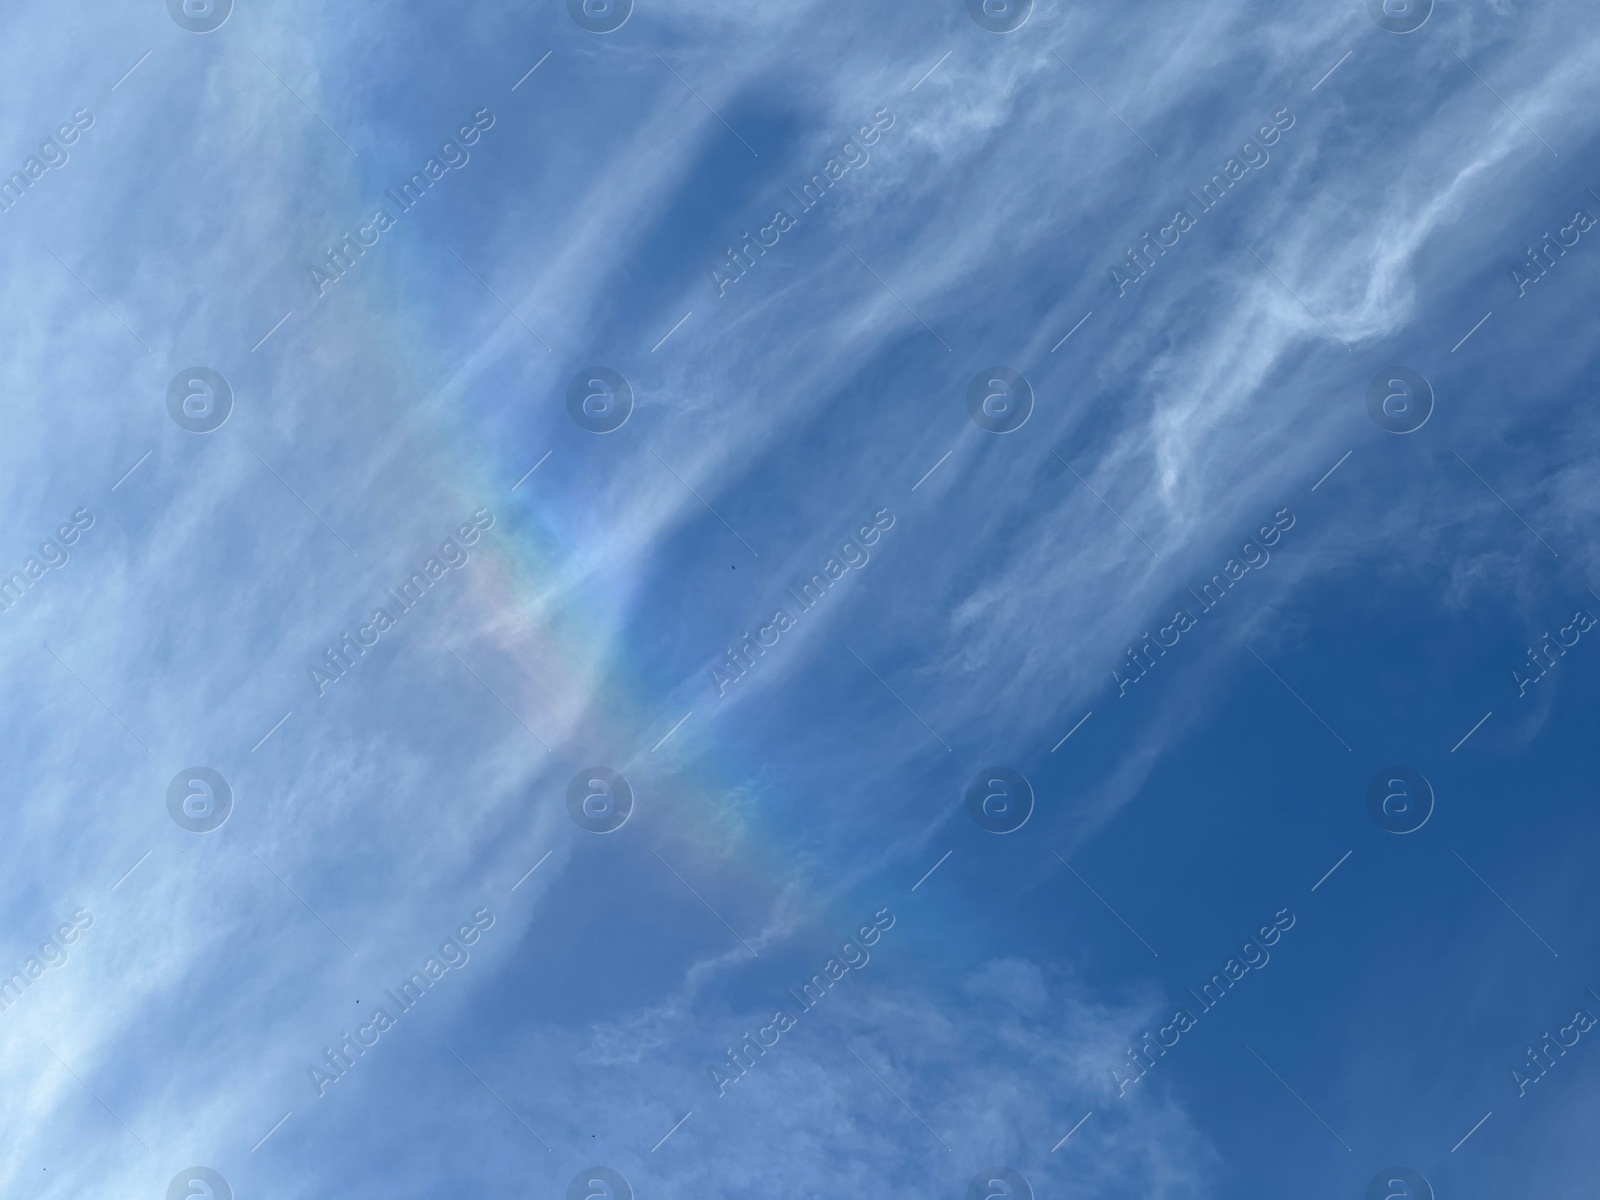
993 197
